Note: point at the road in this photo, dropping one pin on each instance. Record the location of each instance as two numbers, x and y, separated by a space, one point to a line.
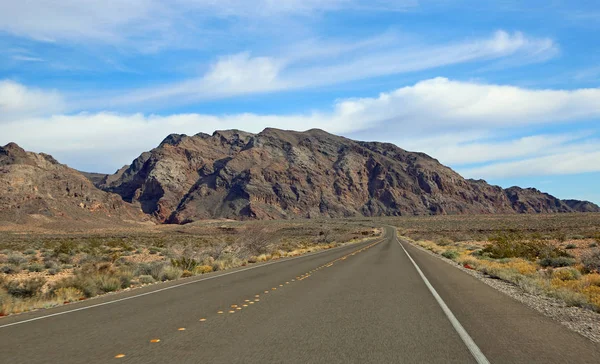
364 303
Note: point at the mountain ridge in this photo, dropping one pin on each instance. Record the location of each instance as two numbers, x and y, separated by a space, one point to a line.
274 174
286 174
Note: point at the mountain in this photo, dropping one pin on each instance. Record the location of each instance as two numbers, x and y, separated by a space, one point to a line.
35 188
285 174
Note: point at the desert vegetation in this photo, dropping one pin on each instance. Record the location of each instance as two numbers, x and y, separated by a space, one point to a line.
554 255
45 270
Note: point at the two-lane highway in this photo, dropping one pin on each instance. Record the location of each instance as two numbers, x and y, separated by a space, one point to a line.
364 303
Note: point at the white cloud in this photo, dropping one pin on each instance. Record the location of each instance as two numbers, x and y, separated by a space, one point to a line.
451 120
464 149
155 21
80 19
555 164
442 104
367 58
18 101
27 58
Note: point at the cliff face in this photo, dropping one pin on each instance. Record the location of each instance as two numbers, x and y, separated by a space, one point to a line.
285 174
35 187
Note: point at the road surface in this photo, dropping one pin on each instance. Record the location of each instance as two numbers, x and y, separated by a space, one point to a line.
364 303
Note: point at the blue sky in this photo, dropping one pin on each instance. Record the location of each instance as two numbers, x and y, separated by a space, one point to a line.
507 91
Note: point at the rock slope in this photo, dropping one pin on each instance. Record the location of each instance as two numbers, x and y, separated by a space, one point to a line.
36 188
285 174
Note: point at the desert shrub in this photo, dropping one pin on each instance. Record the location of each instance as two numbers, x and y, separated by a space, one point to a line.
450 254
500 272
88 259
5 301
154 250
30 252
26 288
10 269
444 241
571 246
146 279
469 261
67 247
54 271
531 285
123 262
230 260
557 262
65 258
184 263
35 267
203 269
255 239
16 259
511 245
570 297
566 274
51 264
125 277
85 283
108 283
154 269
67 266
171 273
591 261
592 279
68 294
593 245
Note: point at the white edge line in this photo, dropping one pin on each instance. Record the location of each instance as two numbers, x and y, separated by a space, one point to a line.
473 348
166 288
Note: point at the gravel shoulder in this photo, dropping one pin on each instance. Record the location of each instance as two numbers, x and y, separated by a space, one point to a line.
583 321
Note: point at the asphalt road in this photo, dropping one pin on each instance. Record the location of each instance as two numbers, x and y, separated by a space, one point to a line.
364 303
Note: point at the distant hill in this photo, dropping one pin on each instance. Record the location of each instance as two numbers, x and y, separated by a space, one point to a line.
286 174
36 189
275 174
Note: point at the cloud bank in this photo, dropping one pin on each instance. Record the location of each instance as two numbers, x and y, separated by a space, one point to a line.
459 122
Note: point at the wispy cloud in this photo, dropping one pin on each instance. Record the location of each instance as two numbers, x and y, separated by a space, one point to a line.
243 73
156 23
27 58
483 148
556 164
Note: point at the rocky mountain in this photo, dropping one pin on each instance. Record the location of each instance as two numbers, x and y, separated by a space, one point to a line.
285 174
36 188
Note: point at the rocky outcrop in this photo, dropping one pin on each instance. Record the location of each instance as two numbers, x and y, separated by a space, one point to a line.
581 206
286 174
36 187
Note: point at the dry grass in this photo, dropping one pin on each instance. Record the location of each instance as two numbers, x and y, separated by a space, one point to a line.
576 281
77 266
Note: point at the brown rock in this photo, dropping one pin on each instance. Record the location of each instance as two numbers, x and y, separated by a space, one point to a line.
35 187
287 174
